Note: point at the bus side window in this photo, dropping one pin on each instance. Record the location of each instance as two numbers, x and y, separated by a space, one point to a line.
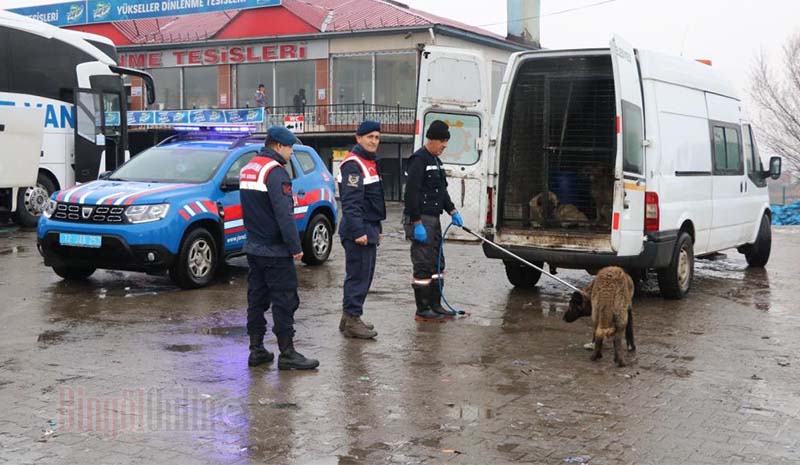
5 61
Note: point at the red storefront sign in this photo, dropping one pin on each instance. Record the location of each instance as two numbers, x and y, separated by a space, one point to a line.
206 56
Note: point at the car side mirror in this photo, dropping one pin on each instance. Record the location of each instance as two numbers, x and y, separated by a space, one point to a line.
105 175
231 183
775 167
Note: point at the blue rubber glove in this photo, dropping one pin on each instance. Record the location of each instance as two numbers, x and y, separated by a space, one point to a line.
457 220
419 233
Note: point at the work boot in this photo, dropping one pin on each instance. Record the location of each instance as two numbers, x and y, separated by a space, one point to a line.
424 311
291 359
354 327
344 319
436 300
258 354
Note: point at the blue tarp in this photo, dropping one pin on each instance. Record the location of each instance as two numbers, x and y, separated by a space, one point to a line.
786 214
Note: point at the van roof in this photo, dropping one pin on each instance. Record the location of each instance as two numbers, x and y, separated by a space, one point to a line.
684 72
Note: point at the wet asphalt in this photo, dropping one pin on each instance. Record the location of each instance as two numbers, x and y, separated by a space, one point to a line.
126 369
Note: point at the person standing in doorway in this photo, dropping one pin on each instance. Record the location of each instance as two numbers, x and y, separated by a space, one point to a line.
261 102
272 244
426 198
363 209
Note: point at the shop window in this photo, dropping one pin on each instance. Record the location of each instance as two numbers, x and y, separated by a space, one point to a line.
396 79
168 88
248 77
352 79
294 84
200 87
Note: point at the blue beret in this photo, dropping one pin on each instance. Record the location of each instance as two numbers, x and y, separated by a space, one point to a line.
367 127
281 135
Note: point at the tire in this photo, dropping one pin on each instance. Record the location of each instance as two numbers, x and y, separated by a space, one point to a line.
676 280
523 276
317 240
757 254
31 200
73 274
197 261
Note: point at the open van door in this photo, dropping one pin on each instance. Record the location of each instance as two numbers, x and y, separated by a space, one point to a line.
454 87
21 133
629 185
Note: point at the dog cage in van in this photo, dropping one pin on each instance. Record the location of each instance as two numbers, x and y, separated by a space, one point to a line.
557 171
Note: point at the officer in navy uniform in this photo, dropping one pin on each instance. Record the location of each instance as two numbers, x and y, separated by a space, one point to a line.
425 198
272 244
363 209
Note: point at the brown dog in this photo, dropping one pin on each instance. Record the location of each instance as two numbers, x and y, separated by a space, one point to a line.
601 188
554 209
608 299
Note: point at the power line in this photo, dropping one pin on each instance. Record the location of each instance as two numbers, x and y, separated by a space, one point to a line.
591 5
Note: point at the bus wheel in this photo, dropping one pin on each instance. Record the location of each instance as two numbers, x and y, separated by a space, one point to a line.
31 201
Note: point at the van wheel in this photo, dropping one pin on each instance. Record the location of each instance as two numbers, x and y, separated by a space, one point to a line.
197 261
31 201
521 275
675 280
757 254
73 274
318 240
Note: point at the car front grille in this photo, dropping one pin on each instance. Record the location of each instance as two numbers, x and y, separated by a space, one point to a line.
77 213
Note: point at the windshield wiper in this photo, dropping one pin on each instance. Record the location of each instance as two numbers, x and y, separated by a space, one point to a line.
116 179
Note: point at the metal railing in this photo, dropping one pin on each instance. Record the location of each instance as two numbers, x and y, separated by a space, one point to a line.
343 117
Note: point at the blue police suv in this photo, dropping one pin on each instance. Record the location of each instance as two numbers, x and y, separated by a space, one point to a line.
175 208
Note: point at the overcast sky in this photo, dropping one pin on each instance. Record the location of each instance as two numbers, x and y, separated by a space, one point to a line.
729 32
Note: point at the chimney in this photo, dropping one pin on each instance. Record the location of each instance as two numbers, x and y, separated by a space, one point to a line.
523 22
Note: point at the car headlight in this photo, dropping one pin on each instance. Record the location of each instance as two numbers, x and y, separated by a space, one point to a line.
146 213
49 208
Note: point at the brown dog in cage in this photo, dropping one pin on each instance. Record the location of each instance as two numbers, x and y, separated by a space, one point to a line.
601 188
564 213
608 299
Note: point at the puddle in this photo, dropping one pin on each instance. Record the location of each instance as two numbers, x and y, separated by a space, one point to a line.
184 347
224 331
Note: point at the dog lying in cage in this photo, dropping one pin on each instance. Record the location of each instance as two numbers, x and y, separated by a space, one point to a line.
608 299
553 210
601 188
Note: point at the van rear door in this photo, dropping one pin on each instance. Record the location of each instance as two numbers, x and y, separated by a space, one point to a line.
21 133
629 185
454 87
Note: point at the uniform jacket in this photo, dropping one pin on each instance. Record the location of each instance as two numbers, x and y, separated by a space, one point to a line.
361 191
426 187
268 207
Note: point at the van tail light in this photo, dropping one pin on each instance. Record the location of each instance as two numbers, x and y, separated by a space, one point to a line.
652 213
489 208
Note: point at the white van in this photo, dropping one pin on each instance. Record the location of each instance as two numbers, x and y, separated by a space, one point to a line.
605 157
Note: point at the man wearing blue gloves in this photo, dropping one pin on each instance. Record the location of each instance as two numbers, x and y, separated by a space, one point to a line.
426 198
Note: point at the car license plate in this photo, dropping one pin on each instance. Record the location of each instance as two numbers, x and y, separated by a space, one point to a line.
80 240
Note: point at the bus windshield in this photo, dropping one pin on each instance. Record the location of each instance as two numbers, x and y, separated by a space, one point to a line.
170 164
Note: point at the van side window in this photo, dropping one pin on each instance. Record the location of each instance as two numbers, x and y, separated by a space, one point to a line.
727 151
464 131
751 157
632 138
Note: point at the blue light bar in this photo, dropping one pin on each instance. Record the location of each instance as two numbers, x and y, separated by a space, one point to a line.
186 128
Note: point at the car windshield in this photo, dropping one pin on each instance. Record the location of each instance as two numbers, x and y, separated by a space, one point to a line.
170 164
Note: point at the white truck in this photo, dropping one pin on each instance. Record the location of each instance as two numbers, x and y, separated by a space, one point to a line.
611 156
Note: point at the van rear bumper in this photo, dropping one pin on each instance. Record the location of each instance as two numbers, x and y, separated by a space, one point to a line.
657 253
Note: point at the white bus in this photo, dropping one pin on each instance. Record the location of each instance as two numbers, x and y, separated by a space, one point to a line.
74 78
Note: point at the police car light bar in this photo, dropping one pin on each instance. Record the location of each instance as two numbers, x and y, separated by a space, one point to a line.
225 129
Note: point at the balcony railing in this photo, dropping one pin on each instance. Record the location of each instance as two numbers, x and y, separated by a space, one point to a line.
343 117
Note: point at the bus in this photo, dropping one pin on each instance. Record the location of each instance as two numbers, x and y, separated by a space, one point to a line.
74 78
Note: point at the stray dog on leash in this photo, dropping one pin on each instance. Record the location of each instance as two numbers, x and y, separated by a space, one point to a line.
608 299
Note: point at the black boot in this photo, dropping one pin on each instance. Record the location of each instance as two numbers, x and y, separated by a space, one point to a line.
258 354
436 299
291 359
424 312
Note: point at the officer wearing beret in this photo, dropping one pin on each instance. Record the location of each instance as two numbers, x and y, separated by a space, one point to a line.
272 243
425 198
363 209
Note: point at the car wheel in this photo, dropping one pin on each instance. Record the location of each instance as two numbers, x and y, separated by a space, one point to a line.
73 274
31 201
197 261
521 275
676 280
317 240
757 254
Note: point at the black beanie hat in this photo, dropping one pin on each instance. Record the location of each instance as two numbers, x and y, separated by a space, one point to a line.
438 130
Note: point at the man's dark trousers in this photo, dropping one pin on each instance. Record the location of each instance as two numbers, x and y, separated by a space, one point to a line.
272 281
359 269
